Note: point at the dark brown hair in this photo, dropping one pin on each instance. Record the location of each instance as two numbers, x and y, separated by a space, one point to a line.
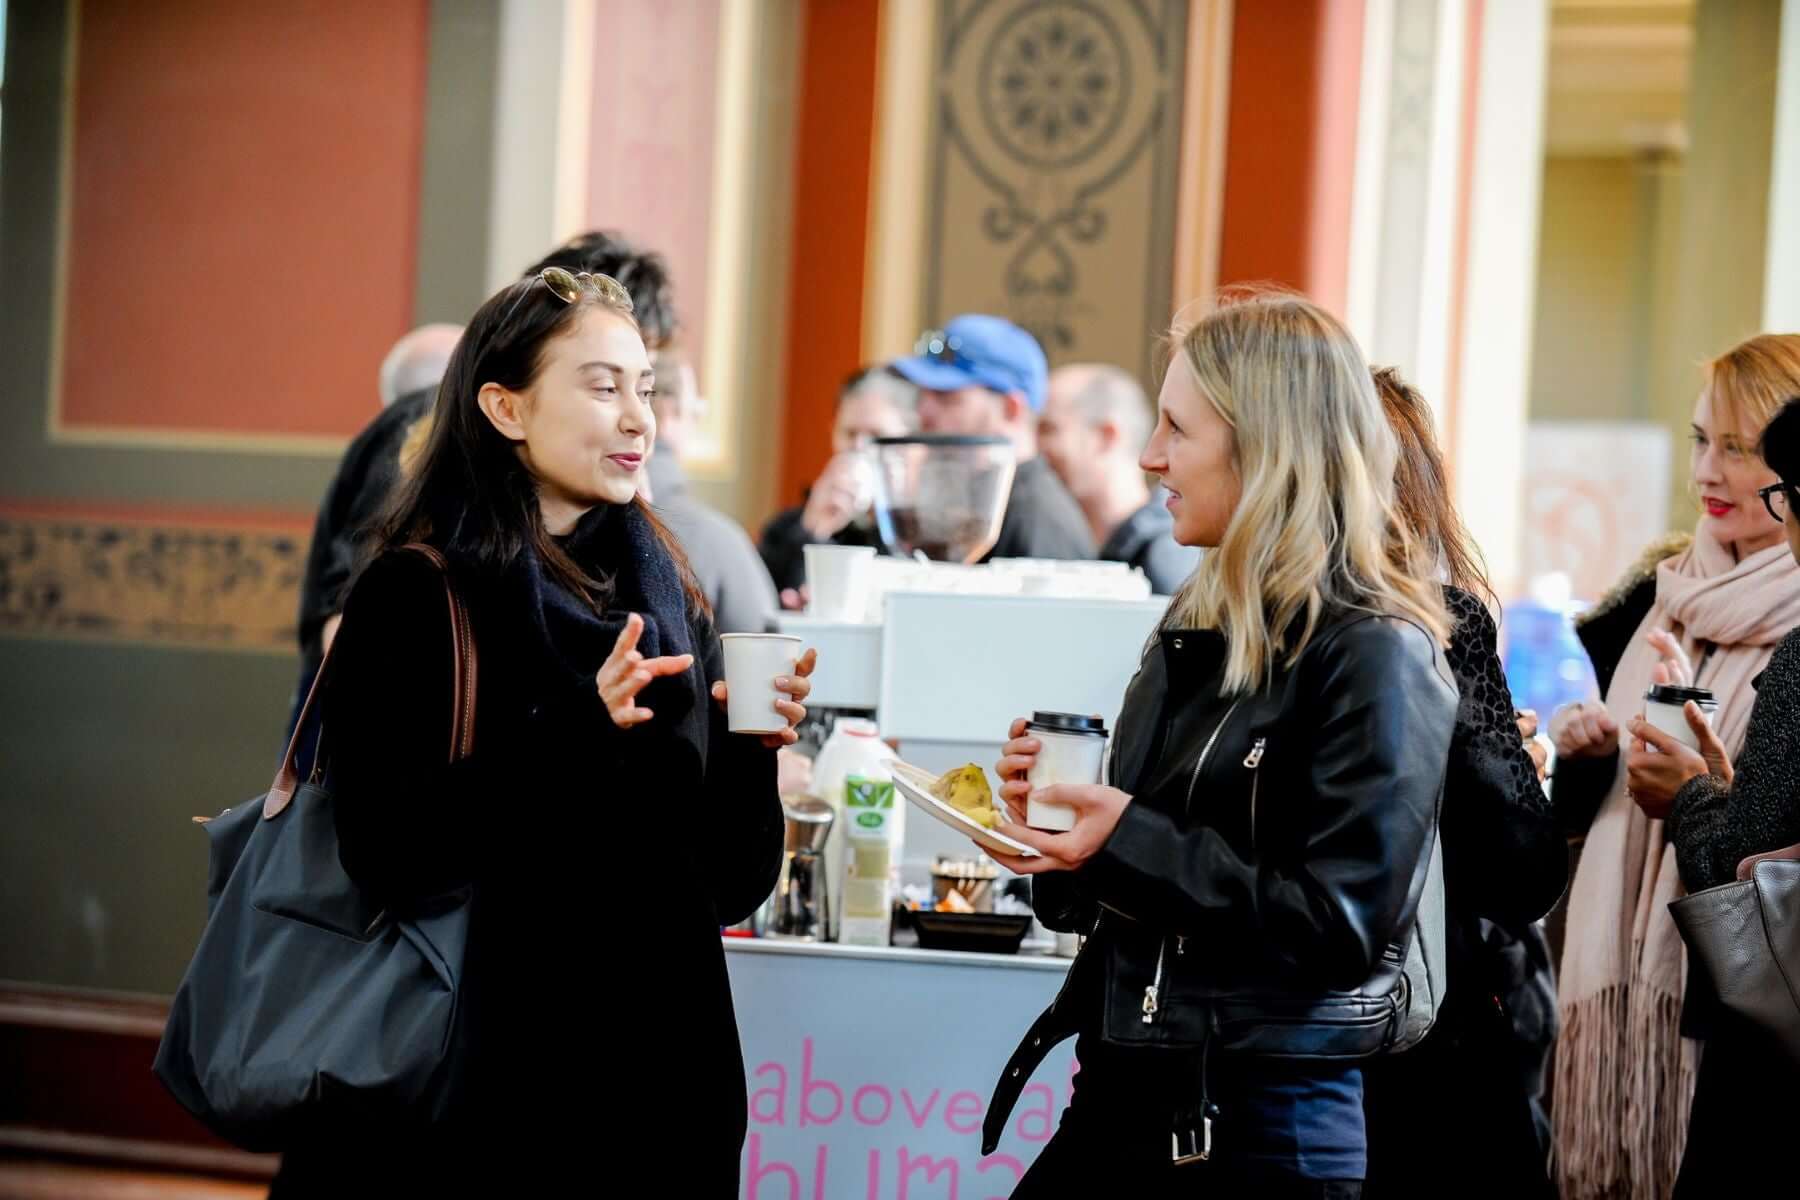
644 273
469 492
1421 489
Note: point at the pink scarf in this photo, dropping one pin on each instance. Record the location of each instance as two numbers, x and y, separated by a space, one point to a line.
1624 1075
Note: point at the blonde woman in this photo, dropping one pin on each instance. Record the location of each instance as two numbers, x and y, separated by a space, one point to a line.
1709 610
1248 876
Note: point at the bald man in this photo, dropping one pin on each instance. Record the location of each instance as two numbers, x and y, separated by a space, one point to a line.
407 383
417 362
1095 423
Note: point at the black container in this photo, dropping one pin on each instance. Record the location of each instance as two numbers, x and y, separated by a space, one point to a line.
987 933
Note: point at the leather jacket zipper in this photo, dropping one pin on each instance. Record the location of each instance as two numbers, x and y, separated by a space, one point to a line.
1206 752
1253 760
1153 993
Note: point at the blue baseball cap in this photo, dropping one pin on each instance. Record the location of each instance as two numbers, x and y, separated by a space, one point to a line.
976 350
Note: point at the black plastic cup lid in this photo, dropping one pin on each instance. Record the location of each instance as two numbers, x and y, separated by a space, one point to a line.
1668 693
943 439
1056 722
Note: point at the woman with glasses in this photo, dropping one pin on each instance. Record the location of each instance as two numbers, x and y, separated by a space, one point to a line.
1249 876
1708 612
606 822
1747 1102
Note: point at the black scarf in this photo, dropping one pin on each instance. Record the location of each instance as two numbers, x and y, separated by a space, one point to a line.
616 543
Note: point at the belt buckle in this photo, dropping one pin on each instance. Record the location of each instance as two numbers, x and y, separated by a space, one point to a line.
1191 1145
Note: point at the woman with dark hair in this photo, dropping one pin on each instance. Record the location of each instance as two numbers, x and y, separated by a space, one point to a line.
1747 1098
607 823
1469 1092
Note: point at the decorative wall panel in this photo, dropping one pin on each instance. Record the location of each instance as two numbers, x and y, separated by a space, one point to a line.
152 582
1053 190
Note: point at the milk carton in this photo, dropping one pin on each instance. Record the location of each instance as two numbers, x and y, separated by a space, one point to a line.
872 833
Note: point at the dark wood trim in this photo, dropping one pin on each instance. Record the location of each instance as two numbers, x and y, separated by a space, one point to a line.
163 1156
77 1068
123 1014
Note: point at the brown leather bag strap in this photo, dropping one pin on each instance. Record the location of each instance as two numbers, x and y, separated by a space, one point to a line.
1747 868
462 693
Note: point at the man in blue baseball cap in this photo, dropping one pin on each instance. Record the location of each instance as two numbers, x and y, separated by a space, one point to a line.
984 375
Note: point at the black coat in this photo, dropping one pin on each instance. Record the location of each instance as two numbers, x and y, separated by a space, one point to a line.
1042 520
358 492
1146 540
1747 1101
603 861
1580 785
1715 826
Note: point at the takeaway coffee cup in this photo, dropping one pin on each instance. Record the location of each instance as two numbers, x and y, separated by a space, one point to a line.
1663 705
838 579
1073 748
752 663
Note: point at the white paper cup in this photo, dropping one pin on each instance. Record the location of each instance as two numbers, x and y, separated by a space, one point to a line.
1067 757
1664 707
752 663
838 579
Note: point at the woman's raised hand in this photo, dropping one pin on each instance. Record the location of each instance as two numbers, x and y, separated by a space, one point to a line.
626 672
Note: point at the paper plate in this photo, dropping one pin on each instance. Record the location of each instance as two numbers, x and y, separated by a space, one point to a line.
915 784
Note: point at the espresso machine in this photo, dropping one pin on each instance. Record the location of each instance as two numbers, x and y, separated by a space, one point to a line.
799 909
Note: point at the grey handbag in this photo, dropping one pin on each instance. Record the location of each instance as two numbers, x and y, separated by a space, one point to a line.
305 1005
1744 939
1426 967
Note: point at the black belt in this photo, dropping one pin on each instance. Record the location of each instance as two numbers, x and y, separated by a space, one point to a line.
1190 1137
1051 1028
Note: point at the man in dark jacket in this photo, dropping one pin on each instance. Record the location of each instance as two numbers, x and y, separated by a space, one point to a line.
409 379
873 403
984 375
1095 422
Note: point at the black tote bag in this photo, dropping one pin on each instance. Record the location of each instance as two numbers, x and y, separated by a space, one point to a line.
1744 939
305 1005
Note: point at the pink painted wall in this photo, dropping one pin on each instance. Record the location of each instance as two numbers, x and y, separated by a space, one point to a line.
243 212
651 136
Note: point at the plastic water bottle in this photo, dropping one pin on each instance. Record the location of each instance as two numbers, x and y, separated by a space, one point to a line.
1546 666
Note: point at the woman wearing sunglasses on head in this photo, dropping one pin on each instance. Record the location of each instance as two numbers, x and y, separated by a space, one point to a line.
606 821
1249 881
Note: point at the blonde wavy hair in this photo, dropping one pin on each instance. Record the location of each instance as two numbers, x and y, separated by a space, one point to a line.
1316 528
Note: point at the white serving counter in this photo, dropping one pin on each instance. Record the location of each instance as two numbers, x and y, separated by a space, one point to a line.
945 673
870 1068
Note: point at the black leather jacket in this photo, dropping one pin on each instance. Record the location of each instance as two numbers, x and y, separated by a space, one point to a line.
1261 903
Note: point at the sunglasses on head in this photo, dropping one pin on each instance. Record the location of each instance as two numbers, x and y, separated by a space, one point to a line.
571 286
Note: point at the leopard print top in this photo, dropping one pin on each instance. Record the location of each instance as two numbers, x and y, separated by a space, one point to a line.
1504 856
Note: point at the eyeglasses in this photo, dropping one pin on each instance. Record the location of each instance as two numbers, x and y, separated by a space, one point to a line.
1777 498
571 286
935 343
